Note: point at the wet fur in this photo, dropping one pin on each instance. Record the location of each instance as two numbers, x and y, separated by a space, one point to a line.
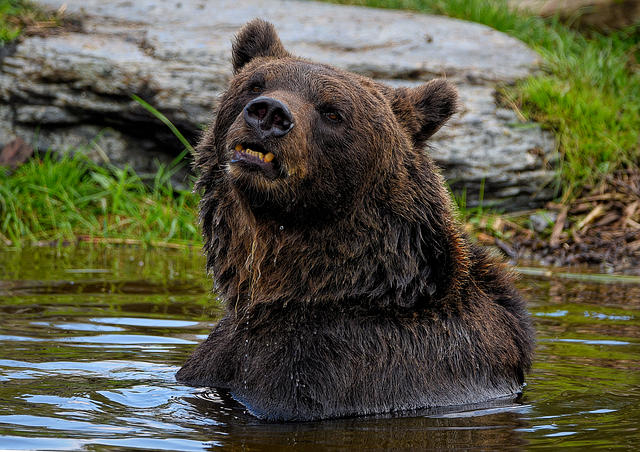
350 288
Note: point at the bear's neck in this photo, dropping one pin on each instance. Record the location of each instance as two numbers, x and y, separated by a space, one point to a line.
376 258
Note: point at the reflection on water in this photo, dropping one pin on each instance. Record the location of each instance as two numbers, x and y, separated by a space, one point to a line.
90 341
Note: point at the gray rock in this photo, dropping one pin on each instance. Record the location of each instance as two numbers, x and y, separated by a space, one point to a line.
175 55
7 133
604 15
542 220
43 114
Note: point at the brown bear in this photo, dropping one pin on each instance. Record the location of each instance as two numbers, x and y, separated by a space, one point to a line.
350 288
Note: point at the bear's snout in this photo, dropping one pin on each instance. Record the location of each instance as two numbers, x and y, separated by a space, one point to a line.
268 117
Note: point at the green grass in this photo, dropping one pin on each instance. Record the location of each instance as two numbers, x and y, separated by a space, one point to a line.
62 199
589 93
10 24
17 15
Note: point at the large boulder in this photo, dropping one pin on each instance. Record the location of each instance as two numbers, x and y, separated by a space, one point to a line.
74 89
601 14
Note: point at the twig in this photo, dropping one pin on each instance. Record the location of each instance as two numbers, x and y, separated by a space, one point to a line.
629 211
558 227
119 241
513 254
592 216
619 183
620 240
6 241
602 197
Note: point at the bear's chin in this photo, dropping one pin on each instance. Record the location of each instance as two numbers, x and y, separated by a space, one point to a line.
259 183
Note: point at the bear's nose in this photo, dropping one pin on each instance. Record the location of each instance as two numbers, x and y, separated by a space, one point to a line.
268 117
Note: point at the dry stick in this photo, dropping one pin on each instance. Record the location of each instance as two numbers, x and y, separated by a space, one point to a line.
602 197
629 211
632 223
576 237
513 254
6 241
634 246
486 239
621 184
620 240
117 241
607 219
592 215
558 227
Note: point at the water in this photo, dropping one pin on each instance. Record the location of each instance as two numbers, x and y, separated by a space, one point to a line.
90 341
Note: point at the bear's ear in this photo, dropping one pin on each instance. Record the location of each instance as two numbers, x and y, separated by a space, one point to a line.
257 38
423 110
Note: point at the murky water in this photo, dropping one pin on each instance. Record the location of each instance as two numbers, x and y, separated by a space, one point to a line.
90 341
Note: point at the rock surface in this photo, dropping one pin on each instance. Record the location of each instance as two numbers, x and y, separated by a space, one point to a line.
601 14
74 89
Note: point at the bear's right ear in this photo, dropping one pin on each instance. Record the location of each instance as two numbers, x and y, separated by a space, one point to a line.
257 38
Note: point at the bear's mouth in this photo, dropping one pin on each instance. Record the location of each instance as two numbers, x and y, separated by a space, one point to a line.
253 156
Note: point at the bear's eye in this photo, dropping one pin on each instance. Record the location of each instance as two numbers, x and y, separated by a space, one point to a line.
256 88
333 115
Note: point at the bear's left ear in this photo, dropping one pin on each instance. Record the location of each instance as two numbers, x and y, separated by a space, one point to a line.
257 38
423 110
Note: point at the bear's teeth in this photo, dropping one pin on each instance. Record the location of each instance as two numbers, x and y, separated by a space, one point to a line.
264 157
260 155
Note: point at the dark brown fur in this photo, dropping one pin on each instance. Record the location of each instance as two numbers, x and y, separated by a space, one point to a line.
349 286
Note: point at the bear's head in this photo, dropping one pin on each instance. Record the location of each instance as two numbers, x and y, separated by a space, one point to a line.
329 167
305 140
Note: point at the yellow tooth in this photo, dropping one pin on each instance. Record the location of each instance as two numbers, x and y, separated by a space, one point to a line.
239 147
260 155
268 157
